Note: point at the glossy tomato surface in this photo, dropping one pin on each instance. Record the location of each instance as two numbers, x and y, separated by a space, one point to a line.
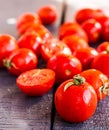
21 60
7 44
98 80
65 66
48 14
75 103
36 82
103 46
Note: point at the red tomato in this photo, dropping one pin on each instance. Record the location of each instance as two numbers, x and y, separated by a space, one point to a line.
52 47
101 62
7 44
20 60
48 14
86 55
88 13
31 40
75 100
36 82
25 20
103 46
73 28
43 32
75 42
98 80
93 30
65 66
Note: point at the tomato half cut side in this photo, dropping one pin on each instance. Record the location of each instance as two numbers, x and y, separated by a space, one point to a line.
36 82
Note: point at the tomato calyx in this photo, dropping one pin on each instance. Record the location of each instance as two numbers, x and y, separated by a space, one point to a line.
77 80
8 64
107 49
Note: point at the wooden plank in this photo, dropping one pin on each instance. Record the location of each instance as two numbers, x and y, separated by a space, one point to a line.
18 111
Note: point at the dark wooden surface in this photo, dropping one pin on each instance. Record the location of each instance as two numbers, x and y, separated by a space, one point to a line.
20 112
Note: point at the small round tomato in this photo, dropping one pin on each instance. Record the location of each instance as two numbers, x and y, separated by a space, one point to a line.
43 32
25 20
65 66
75 42
103 46
101 62
48 14
52 47
93 30
7 44
31 40
98 80
75 100
36 82
20 60
86 55
71 28
88 13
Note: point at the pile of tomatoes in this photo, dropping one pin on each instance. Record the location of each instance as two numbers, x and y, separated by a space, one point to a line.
76 62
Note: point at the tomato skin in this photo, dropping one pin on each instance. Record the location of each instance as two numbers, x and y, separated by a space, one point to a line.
74 42
93 30
36 82
20 60
101 62
7 44
86 56
103 46
65 66
25 20
48 14
97 79
68 28
52 47
31 41
83 103
88 13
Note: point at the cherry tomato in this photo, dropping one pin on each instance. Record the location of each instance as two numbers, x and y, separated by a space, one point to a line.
98 80
71 28
52 47
7 44
88 13
25 20
65 66
36 82
75 42
31 40
86 55
48 14
93 30
103 46
75 100
20 60
101 62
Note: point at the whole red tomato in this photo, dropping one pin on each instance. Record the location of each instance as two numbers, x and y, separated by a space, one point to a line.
7 44
93 30
75 100
86 55
25 20
65 66
20 60
52 47
48 14
36 82
98 80
71 28
75 42
88 13
31 40
101 62
103 46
